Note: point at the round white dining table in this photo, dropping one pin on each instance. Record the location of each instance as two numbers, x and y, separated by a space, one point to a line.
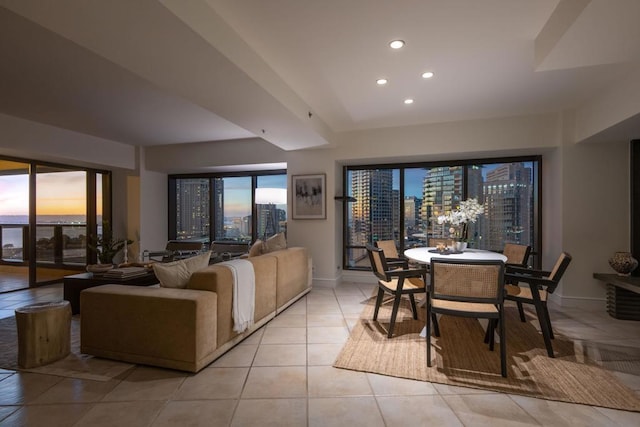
423 256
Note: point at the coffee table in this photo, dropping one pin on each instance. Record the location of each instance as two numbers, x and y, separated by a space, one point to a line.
76 283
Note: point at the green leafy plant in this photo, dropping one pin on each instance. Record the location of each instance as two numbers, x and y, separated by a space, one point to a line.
107 246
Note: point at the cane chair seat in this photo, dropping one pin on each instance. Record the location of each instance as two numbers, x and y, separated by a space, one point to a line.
468 289
523 293
410 283
473 308
397 281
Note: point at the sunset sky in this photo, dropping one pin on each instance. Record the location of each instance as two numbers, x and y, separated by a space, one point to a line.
64 193
58 194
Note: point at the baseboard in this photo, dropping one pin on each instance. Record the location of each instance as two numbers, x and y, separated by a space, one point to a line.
325 283
349 276
358 276
590 304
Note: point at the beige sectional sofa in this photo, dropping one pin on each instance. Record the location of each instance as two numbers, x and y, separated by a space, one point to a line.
188 328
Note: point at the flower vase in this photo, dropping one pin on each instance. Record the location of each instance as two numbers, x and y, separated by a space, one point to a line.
623 263
460 246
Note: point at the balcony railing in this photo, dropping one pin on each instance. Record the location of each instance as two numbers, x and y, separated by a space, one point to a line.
56 244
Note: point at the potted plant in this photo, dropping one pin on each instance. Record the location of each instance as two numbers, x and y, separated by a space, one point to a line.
459 219
107 246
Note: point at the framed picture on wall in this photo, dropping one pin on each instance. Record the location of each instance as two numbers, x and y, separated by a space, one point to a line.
309 196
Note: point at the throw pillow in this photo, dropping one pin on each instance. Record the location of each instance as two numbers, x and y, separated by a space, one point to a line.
256 248
176 274
275 243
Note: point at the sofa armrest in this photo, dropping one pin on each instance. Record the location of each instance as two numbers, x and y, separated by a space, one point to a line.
173 328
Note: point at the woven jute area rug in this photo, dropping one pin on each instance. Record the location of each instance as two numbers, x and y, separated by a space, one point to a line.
461 358
75 365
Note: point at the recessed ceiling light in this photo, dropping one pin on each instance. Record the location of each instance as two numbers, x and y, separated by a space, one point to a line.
427 74
382 81
408 101
396 44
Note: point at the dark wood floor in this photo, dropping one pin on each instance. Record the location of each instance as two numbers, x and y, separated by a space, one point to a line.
17 277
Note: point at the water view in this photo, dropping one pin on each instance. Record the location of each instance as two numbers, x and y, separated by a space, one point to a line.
71 229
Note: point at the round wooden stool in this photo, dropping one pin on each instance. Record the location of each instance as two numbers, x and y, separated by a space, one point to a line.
44 331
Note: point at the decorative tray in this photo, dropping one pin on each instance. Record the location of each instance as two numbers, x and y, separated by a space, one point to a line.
445 252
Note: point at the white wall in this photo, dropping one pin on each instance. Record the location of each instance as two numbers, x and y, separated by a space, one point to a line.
585 186
154 195
32 140
595 215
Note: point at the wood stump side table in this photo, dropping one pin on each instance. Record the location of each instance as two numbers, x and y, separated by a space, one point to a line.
44 333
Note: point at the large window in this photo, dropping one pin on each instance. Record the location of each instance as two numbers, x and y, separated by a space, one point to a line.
402 202
217 207
49 213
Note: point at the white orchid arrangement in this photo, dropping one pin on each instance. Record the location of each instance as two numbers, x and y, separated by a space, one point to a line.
468 211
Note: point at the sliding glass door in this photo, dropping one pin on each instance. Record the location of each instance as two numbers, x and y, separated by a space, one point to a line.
61 221
48 214
14 225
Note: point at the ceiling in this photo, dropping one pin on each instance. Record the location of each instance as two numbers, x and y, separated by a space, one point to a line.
298 73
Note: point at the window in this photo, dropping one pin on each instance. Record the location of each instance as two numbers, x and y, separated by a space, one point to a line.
192 208
402 202
219 207
64 206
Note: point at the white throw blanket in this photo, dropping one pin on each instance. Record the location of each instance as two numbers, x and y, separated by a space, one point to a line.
244 293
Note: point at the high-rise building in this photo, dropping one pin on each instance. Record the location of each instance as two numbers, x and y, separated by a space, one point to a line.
373 210
412 212
441 193
508 202
218 200
192 212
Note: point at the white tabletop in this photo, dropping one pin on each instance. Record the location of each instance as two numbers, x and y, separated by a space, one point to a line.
422 255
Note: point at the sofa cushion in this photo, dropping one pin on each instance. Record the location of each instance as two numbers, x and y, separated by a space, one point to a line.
176 274
292 273
274 243
256 248
218 278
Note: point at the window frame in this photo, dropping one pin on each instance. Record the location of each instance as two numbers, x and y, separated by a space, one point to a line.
464 163
212 176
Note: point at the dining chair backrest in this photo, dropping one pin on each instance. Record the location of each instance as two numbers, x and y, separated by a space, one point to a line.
516 254
388 247
558 271
467 281
378 262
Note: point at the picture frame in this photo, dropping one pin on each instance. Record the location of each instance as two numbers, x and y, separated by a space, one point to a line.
309 196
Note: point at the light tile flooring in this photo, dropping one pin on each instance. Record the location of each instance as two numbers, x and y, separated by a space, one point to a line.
282 376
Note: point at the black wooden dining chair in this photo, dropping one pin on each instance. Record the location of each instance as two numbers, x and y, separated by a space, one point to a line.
472 289
518 257
390 251
540 284
397 282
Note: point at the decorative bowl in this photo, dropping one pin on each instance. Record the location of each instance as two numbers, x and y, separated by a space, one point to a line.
623 263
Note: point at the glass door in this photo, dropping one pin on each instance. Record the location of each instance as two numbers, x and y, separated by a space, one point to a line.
60 222
14 225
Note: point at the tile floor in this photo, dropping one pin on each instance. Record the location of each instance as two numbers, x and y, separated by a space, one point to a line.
282 376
